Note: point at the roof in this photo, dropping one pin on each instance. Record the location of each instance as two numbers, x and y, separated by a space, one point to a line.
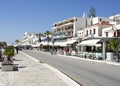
103 23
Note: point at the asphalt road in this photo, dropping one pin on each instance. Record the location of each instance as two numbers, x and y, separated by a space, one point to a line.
85 72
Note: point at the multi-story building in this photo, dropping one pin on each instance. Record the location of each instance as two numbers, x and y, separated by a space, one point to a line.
67 28
94 27
115 18
91 35
111 32
29 39
114 30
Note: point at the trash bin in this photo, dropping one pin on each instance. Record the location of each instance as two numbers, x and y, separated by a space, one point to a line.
109 56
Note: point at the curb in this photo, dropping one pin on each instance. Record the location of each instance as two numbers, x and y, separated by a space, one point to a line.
36 60
97 61
62 76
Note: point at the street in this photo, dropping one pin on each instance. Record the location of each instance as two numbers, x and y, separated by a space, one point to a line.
84 72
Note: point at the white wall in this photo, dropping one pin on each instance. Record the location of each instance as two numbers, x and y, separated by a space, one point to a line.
80 33
80 23
97 31
110 31
97 20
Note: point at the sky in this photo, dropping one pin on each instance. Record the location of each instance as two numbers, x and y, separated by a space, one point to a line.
20 16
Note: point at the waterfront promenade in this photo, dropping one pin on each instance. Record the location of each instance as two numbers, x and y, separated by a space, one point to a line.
30 73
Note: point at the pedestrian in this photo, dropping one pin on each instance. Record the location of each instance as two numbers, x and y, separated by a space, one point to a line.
0 53
17 49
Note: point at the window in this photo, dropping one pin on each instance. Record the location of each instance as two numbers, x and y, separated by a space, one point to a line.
118 33
106 34
62 29
90 31
86 32
114 34
94 30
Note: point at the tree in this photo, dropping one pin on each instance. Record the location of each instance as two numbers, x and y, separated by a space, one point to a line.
92 12
47 33
3 44
17 41
48 39
115 44
39 35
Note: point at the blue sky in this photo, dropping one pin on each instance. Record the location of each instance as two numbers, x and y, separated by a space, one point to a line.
20 16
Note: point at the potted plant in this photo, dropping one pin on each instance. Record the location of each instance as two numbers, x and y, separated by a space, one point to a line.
114 45
7 64
9 52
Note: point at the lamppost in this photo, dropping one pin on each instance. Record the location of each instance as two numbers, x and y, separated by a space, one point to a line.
117 43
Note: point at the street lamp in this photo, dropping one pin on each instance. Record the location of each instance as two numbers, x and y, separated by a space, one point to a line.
117 44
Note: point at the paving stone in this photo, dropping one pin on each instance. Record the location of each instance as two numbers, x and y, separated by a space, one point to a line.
30 73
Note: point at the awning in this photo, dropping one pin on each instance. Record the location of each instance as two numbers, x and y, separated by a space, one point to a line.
15 45
47 43
50 43
71 41
57 43
36 45
92 42
63 44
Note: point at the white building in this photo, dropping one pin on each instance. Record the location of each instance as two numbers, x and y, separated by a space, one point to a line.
44 41
91 35
29 39
115 18
94 27
67 29
111 32
69 26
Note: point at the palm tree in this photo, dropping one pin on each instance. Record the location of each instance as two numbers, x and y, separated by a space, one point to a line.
17 41
47 33
39 35
115 44
48 39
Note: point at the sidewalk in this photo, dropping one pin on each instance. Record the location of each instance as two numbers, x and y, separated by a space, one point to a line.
30 73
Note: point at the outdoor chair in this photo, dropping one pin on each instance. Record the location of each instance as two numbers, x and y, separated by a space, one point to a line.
98 56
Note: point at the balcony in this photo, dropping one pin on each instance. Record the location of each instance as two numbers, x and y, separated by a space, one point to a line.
68 29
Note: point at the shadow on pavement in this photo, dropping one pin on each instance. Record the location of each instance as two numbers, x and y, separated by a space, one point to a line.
15 68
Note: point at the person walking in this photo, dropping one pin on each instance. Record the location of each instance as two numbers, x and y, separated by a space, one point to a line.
17 49
0 52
